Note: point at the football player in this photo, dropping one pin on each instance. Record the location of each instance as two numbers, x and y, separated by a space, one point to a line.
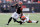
18 12
26 19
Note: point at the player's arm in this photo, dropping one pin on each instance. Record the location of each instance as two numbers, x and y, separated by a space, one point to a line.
16 7
13 5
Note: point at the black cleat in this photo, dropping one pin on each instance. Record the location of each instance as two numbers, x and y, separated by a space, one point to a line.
37 21
20 23
7 24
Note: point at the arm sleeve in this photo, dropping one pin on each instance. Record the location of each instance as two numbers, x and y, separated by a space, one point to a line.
12 6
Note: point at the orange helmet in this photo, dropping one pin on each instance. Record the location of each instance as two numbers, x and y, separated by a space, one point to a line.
20 2
23 17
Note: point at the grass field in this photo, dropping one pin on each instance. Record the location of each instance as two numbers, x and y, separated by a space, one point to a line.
5 16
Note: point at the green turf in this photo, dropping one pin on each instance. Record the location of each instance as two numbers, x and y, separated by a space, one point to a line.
33 16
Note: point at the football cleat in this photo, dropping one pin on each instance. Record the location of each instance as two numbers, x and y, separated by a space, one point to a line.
37 21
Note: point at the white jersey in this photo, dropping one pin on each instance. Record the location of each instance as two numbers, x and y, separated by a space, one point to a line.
27 19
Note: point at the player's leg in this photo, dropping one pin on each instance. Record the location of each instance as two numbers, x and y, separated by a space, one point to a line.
16 16
15 20
32 21
9 20
29 21
22 21
19 22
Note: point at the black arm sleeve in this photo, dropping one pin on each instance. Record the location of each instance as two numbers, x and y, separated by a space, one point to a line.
12 6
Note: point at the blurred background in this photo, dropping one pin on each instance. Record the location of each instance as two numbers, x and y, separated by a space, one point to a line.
29 6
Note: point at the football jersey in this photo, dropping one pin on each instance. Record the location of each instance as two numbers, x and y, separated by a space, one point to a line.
19 10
